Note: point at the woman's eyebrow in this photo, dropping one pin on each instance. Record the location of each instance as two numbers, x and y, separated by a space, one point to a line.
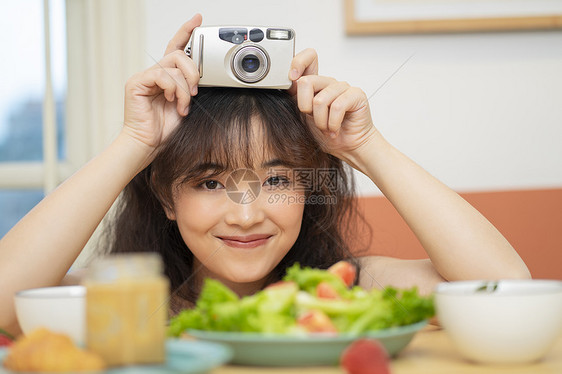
209 166
273 163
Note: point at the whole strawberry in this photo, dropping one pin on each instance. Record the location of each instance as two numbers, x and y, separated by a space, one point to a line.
365 356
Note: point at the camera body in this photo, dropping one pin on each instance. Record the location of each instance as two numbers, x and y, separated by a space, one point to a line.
242 56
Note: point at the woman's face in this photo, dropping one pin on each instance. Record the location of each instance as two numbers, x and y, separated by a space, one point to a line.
240 224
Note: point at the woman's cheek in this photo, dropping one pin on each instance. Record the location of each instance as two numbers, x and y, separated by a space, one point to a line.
199 209
286 205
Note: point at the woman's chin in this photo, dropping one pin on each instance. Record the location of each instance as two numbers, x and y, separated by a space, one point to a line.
250 278
246 278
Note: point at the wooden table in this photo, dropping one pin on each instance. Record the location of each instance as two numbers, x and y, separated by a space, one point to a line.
430 352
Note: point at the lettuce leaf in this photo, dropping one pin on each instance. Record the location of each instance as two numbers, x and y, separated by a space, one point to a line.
308 279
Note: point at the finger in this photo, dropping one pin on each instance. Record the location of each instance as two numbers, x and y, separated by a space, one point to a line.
179 60
175 88
153 82
182 93
307 87
162 80
184 33
322 102
304 63
351 100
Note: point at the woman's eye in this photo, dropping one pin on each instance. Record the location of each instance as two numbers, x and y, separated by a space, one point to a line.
277 181
211 185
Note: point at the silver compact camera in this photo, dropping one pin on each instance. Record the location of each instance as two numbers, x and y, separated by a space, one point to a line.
242 56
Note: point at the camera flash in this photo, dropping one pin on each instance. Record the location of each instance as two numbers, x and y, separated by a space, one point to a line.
279 34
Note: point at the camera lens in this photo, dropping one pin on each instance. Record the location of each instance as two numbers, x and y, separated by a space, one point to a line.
237 38
250 63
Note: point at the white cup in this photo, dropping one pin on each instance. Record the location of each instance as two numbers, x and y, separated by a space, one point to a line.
59 309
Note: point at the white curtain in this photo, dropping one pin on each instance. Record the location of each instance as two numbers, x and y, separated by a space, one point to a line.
105 47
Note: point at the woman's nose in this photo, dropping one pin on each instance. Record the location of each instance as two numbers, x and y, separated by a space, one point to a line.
245 215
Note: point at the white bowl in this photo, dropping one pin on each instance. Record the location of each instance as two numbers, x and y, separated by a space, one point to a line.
506 321
60 309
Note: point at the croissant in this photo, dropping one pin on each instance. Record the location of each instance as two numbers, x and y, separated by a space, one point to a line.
43 350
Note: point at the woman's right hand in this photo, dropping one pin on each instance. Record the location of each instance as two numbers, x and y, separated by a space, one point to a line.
157 98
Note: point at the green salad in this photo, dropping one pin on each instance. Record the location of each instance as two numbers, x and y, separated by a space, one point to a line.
306 301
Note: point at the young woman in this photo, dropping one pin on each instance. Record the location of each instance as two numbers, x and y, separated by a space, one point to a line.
181 151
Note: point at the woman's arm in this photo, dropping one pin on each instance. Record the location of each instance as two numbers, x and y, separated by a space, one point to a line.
460 242
40 248
379 272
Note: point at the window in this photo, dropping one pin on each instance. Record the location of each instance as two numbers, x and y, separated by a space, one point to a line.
22 96
94 47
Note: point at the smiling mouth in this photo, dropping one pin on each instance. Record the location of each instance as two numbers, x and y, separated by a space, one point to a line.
247 241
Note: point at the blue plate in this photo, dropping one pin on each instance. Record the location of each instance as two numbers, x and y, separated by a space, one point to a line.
302 350
182 357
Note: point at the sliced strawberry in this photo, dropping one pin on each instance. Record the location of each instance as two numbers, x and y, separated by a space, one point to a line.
325 290
282 284
316 321
5 341
365 356
345 271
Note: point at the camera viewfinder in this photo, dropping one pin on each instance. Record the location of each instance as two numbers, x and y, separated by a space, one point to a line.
233 35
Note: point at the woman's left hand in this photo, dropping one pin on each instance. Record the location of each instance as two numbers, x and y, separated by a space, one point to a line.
338 114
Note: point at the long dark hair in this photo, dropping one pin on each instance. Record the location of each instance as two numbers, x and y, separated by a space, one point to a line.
218 130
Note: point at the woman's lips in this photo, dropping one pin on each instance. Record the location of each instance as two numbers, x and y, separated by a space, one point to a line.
245 241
